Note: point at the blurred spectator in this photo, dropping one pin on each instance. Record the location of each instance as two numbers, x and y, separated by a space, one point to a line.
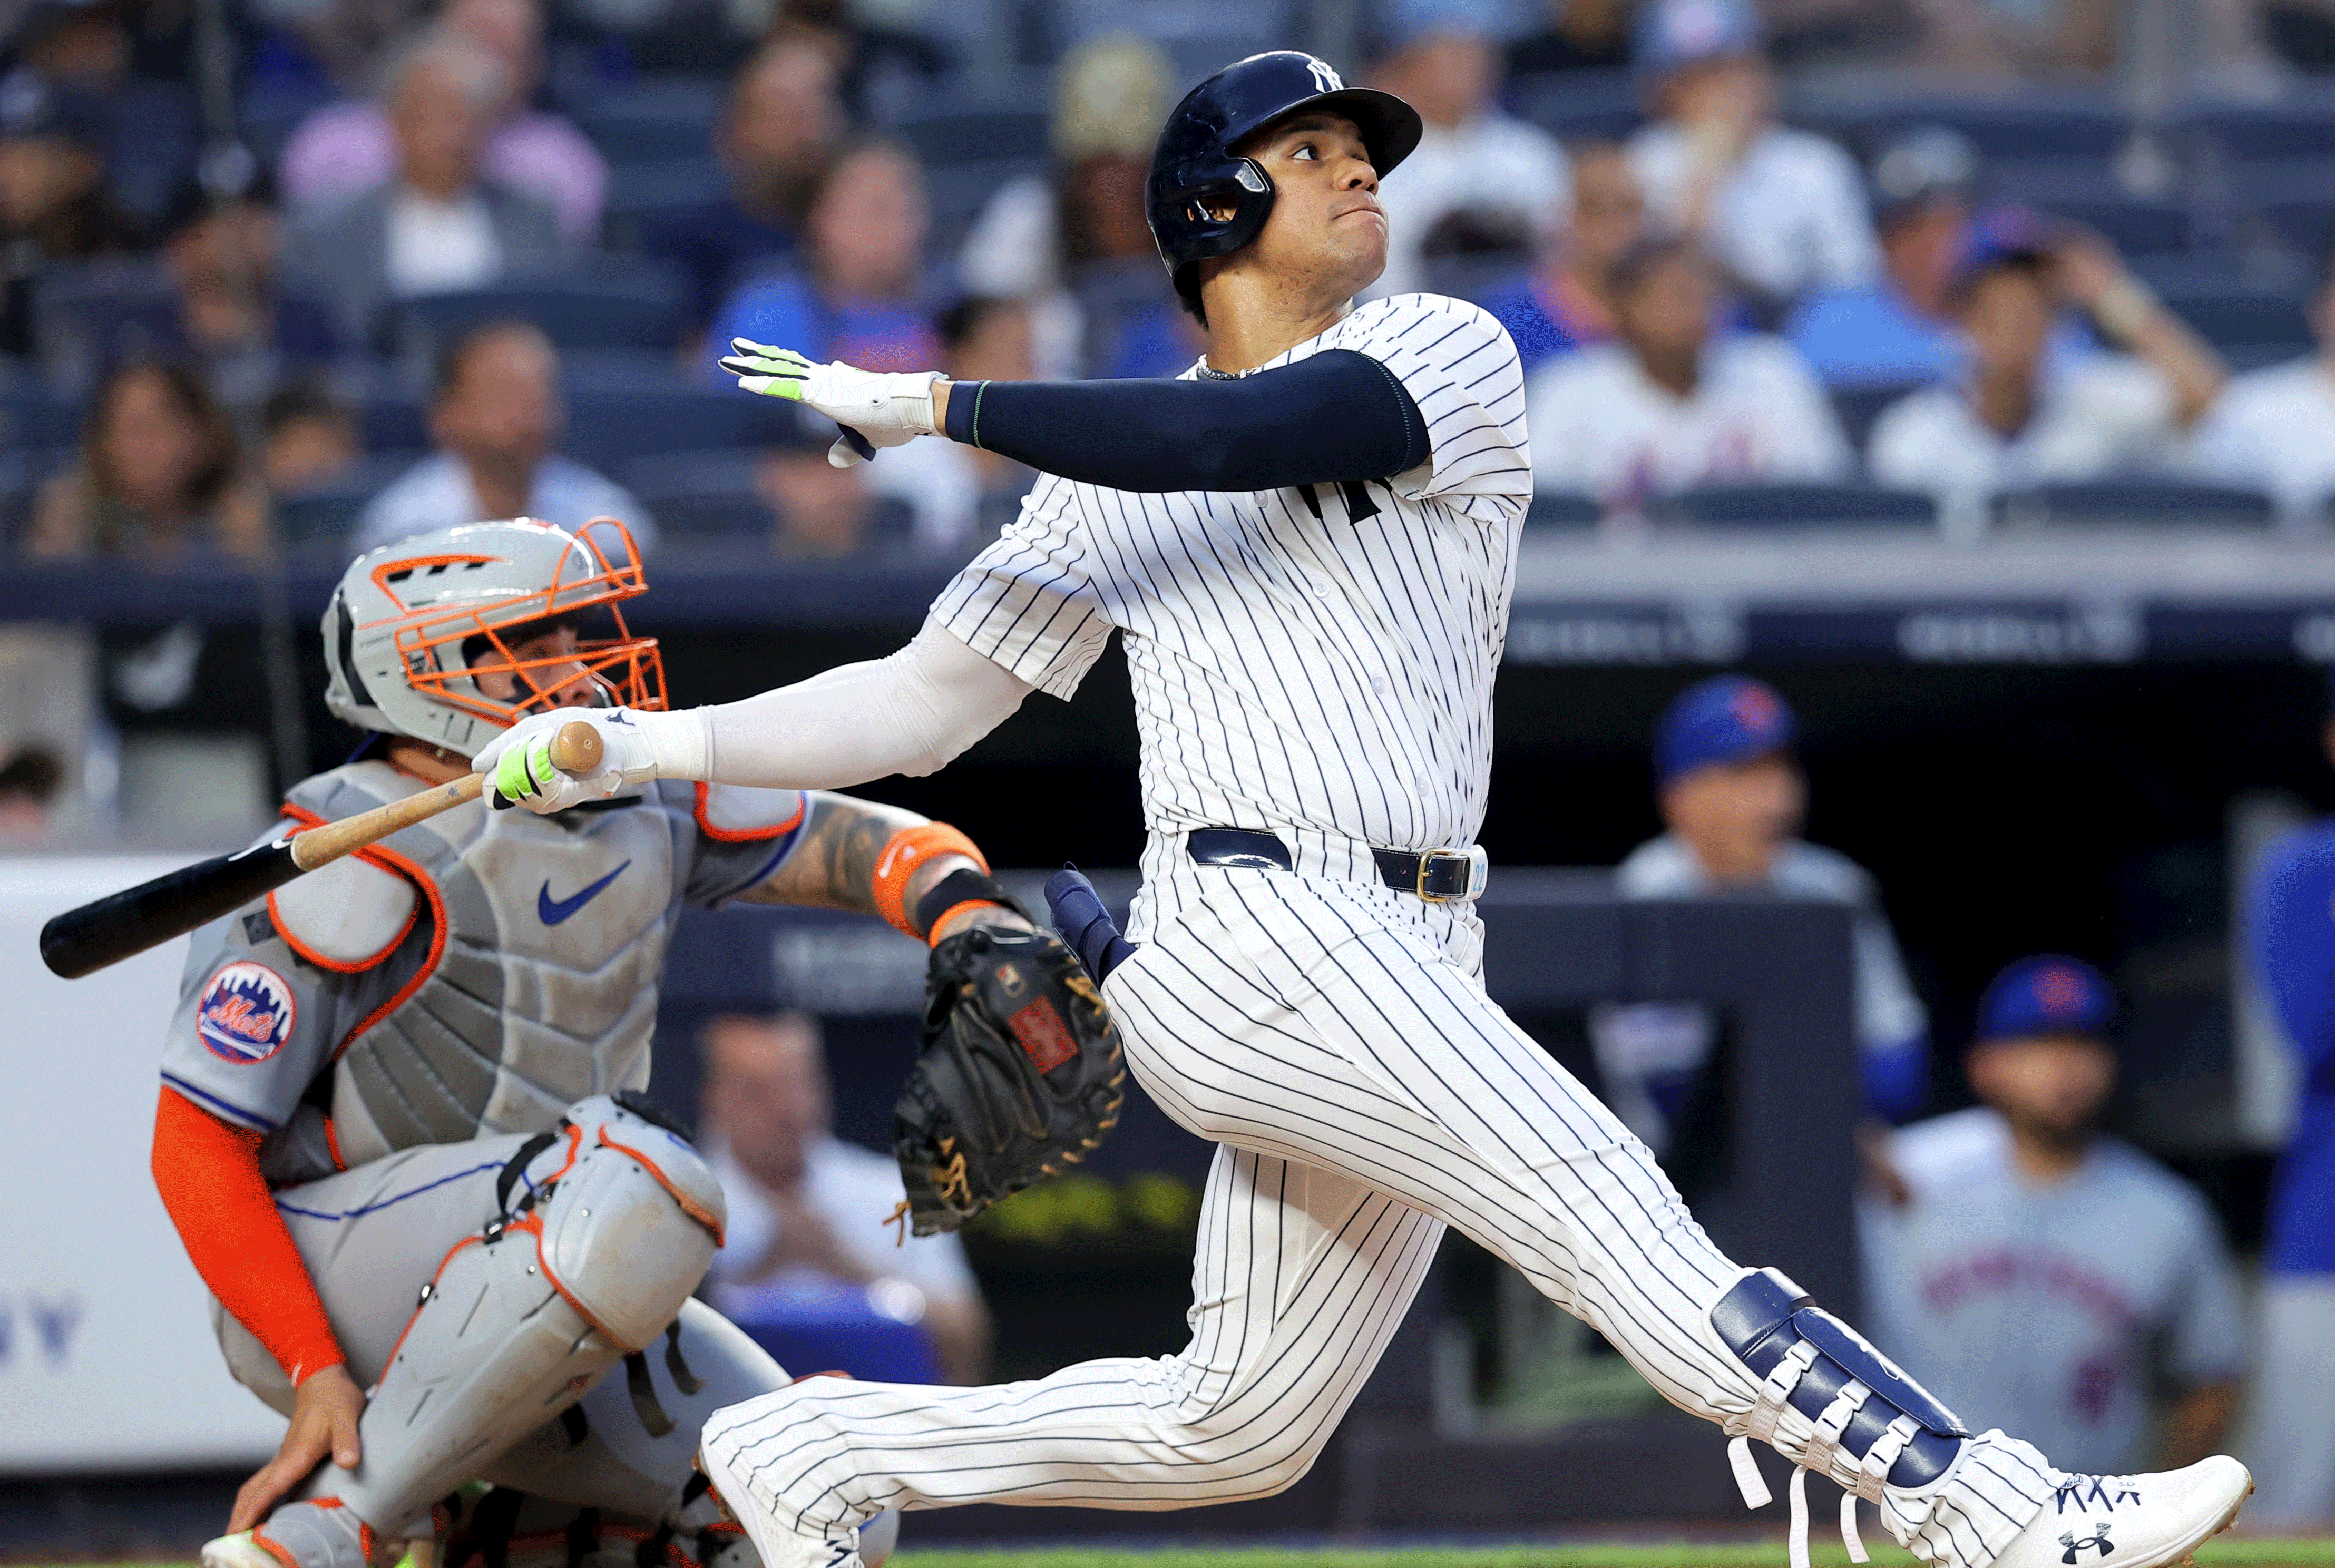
70 41
2017 417
1479 180
311 437
805 1204
54 202
855 295
827 514
2274 429
775 140
1732 797
2040 1275
227 311
495 419
159 476
437 224
1039 237
1667 407
1564 302
29 782
2290 949
953 490
346 148
1574 35
1899 327
1783 210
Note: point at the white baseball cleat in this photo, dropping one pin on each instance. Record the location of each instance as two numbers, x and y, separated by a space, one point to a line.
780 1545
320 1534
2131 1521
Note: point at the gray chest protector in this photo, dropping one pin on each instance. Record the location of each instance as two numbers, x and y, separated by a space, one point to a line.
533 965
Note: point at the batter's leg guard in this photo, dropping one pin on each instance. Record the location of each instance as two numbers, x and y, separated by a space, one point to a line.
1828 1402
608 1223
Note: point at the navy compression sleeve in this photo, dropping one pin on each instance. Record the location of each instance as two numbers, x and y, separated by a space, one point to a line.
1336 415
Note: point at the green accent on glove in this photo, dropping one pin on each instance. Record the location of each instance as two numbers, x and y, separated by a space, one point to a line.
524 771
781 371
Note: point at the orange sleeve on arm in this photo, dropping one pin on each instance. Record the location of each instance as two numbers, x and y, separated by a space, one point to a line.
208 1175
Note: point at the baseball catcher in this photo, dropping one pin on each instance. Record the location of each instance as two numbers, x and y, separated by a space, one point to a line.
401 1128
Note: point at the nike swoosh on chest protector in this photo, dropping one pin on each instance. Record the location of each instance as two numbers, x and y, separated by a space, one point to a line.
554 910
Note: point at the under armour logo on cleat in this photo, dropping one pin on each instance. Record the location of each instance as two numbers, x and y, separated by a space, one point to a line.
2097 1541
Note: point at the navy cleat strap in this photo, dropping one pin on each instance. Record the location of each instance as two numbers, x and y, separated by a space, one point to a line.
1827 1372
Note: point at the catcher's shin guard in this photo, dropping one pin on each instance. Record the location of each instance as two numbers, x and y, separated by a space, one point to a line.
1828 1402
609 1222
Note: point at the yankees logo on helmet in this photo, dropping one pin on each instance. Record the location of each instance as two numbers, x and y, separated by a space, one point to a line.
246 1014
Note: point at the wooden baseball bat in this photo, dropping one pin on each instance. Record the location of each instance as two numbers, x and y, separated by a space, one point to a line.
81 941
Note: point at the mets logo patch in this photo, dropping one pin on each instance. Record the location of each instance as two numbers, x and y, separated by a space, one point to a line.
246 1014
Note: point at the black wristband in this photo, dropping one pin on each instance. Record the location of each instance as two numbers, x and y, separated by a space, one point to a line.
965 411
963 885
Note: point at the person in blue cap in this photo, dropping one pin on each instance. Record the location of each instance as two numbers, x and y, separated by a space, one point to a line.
1732 796
2040 1273
2290 928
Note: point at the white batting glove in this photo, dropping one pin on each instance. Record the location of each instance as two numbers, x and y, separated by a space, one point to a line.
519 770
884 410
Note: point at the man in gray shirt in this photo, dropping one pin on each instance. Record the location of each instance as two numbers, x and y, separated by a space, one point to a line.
1732 796
2043 1276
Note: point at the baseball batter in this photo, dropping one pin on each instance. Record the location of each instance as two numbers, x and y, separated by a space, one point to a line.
401 1128
1307 544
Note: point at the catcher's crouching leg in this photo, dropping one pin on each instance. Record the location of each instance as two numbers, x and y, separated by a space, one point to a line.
609 1222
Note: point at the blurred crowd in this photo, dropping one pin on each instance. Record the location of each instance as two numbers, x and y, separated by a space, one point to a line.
313 273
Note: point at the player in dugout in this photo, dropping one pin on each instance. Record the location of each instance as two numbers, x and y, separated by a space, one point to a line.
415 1076
1732 796
2042 1273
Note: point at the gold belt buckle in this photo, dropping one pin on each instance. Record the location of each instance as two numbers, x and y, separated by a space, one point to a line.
1471 882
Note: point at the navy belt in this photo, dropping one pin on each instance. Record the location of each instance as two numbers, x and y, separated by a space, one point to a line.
1437 876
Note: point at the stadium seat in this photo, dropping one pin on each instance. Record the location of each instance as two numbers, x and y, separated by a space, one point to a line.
154 135
318 521
948 139
2066 125
609 425
653 121
2249 327
271 111
640 194
1581 105
1858 407
1562 509
2139 501
77 308
2255 132
639 305
2135 226
1794 505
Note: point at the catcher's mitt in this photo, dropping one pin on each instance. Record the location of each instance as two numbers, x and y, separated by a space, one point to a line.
1022 1074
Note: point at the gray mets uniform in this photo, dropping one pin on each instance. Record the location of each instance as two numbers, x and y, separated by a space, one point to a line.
430 1035
2049 1310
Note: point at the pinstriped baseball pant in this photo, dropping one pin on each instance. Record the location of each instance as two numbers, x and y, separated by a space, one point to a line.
1334 1040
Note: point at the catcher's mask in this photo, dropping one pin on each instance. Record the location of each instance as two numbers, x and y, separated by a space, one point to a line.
413 626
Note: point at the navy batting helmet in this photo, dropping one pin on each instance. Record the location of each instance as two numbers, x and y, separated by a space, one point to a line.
1194 164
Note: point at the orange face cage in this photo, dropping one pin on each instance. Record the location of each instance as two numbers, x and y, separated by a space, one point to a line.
627 670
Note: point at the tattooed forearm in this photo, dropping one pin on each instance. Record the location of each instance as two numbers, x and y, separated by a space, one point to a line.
833 867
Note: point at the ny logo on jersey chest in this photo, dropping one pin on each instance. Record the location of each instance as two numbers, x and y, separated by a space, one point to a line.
1357 495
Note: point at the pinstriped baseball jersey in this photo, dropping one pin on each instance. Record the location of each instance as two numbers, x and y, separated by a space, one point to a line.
1317 661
